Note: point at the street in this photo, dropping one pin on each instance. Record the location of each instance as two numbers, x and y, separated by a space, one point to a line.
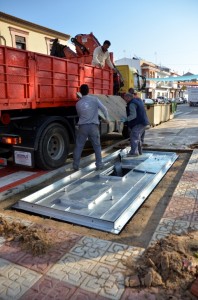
180 133
82 258
176 135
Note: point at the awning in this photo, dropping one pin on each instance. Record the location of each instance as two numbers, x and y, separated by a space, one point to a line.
178 78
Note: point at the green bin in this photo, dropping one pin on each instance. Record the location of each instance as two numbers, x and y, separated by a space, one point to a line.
173 107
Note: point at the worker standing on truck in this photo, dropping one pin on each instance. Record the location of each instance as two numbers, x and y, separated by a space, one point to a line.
137 122
87 110
101 56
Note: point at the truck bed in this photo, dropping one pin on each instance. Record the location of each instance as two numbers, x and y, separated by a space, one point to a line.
30 80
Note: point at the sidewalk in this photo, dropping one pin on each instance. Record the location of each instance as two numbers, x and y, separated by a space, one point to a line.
81 267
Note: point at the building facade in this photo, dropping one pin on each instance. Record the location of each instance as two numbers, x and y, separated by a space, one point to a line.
18 33
154 89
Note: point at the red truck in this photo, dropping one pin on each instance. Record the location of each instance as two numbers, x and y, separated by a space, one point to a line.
37 104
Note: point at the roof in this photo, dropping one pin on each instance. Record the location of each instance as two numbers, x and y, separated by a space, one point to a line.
28 25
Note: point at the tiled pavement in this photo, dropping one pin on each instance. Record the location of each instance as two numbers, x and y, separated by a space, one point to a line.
81 267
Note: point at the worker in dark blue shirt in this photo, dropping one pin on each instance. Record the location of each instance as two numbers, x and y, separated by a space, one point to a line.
137 122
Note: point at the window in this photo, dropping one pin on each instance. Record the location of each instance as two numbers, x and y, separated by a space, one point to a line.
19 38
48 45
20 42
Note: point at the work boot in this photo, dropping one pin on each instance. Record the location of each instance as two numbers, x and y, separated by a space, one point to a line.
100 167
75 168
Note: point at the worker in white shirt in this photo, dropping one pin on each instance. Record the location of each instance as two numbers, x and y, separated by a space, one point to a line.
101 56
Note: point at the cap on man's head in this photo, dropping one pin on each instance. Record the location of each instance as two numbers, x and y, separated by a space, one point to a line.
128 95
131 90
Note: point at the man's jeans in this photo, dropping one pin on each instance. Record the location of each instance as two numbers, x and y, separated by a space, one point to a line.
90 131
137 134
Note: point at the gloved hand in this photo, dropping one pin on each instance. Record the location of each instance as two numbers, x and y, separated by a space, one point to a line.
107 120
123 119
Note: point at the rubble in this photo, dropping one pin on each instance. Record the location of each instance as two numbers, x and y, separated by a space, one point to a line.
170 264
32 239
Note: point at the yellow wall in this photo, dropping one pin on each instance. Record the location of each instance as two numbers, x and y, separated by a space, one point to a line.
35 41
4 31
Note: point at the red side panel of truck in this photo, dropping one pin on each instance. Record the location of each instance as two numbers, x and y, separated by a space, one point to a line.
30 80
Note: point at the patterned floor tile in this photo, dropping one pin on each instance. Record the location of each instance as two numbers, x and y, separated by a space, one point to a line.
157 236
181 208
84 295
180 227
116 247
95 266
181 213
106 281
63 241
2 241
11 252
178 201
89 247
49 288
193 163
190 176
186 189
194 225
117 258
72 269
15 280
165 226
195 217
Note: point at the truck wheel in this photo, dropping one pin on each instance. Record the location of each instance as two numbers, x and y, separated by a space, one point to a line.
53 147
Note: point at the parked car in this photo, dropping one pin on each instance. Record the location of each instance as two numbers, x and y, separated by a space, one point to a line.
184 100
162 99
167 100
148 101
179 100
170 100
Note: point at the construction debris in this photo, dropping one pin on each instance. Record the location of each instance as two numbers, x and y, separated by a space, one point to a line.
32 239
171 264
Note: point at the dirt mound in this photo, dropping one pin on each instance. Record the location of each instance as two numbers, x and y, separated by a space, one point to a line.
32 239
171 264
194 146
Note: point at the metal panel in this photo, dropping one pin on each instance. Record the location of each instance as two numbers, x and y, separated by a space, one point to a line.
104 199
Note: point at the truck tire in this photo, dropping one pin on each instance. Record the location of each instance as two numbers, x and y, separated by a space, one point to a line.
53 147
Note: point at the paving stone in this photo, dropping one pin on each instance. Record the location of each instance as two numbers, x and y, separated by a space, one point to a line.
72 269
106 280
92 248
95 266
144 294
49 288
63 242
84 295
15 280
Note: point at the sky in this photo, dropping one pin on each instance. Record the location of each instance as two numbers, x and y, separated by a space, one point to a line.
163 32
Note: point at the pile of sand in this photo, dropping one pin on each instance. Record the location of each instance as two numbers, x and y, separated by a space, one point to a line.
32 239
171 264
